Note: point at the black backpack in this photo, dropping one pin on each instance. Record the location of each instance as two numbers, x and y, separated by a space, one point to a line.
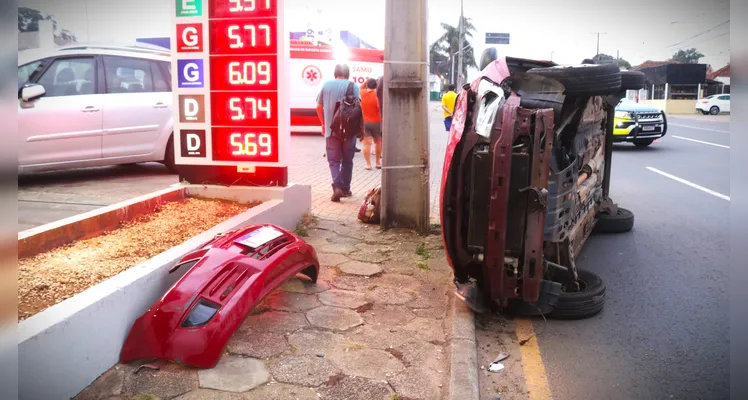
348 119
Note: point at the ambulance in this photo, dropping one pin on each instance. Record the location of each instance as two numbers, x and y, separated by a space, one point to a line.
313 65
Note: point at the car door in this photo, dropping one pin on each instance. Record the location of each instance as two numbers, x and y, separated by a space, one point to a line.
135 109
64 125
724 103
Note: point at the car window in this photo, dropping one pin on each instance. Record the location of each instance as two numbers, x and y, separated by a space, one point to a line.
25 71
160 84
724 97
127 75
69 77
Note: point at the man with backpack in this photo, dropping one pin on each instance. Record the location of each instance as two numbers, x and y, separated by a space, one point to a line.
339 111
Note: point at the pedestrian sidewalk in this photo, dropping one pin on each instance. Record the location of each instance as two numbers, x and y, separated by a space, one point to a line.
309 167
375 326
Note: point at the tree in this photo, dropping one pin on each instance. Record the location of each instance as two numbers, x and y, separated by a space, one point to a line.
689 56
606 59
28 19
447 46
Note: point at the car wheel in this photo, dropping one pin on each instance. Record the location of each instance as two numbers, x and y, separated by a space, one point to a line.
714 110
622 221
585 303
585 80
632 80
169 156
643 143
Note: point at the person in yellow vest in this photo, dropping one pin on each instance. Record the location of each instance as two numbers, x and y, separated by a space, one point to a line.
448 105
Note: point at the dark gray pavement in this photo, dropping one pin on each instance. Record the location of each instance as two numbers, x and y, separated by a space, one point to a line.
664 331
51 196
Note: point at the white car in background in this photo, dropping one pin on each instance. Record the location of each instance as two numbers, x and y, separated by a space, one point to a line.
87 106
714 104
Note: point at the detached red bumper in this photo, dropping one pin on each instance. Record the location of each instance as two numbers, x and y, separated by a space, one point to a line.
227 278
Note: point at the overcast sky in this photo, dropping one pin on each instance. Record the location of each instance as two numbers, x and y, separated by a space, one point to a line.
639 29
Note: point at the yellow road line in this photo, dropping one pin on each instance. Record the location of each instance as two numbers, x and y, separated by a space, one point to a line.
532 363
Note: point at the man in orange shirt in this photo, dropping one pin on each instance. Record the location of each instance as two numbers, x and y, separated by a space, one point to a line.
372 122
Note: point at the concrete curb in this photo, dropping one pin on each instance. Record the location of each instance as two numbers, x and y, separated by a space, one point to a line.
64 348
463 379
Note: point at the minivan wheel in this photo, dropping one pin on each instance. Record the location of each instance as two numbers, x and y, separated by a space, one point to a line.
622 221
169 156
585 303
714 110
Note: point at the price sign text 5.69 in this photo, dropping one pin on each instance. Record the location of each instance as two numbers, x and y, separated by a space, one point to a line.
245 144
251 144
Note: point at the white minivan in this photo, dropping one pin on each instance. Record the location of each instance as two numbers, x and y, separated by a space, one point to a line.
87 106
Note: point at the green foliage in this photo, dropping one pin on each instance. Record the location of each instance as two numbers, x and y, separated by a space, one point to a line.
444 49
689 56
606 59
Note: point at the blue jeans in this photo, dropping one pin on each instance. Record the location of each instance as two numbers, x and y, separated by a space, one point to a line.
340 157
448 123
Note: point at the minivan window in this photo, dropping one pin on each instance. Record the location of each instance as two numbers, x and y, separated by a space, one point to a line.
69 77
127 75
160 82
25 71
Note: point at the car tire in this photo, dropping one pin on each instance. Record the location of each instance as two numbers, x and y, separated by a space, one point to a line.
704 112
585 303
643 142
632 80
714 110
622 222
169 156
585 80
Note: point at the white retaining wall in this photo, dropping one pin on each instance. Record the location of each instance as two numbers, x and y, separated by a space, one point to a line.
64 348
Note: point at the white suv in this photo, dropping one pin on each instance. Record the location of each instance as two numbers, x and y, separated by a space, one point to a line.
87 106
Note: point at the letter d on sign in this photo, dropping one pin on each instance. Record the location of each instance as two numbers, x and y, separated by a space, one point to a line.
190 108
193 142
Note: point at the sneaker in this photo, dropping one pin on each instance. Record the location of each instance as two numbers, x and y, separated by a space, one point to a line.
347 193
336 195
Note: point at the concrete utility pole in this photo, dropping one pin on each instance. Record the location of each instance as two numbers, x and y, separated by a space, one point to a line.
459 46
405 171
597 52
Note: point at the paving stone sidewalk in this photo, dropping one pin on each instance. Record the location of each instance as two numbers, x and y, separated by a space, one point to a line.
310 167
374 326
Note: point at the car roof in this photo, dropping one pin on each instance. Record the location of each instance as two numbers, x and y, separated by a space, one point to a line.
139 51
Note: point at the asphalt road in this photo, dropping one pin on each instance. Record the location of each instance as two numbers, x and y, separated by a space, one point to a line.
664 332
51 196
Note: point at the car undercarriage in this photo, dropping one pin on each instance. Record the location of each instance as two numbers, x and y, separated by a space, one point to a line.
526 181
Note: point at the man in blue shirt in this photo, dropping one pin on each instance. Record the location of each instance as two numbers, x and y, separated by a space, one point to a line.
339 153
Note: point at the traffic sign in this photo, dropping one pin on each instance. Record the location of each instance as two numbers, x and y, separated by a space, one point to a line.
497 38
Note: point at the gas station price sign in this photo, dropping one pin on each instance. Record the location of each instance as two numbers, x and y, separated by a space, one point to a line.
241 77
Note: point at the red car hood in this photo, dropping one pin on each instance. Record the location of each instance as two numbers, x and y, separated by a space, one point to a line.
227 277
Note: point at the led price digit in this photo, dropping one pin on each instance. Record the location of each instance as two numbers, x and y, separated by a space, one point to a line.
249 146
246 5
249 72
257 105
238 43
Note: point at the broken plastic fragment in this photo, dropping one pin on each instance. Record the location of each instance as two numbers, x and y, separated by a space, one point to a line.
496 367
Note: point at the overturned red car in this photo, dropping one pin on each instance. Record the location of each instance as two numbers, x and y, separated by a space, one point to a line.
526 180
226 279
